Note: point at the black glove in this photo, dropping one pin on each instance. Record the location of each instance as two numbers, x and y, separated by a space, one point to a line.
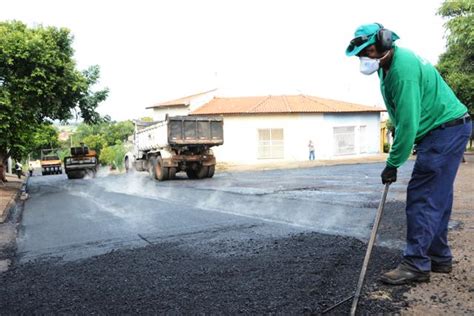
389 175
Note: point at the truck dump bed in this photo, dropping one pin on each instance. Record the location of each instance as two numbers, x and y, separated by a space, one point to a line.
181 131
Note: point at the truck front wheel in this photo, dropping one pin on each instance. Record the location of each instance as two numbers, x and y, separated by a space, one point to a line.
158 171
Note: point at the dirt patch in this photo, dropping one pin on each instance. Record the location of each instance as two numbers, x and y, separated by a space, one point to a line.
8 192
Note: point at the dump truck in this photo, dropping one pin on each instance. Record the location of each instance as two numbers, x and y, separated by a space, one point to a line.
176 144
82 161
50 162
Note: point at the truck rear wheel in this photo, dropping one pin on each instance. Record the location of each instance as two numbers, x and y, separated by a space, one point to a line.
202 172
172 173
199 173
191 173
158 171
211 171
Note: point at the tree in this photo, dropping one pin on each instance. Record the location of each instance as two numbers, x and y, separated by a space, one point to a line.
85 130
96 142
45 136
113 156
117 132
146 119
456 65
39 82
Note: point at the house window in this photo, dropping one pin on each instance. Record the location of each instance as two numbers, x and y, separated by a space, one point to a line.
344 140
270 143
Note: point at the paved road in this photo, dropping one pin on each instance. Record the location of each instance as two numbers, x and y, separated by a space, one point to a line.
242 242
76 219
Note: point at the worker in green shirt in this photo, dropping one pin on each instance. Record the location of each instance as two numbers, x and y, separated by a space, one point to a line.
425 112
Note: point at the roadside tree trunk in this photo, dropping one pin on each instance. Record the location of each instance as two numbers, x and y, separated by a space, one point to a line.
3 165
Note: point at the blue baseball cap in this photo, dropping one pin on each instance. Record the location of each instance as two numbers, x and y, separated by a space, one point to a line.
365 35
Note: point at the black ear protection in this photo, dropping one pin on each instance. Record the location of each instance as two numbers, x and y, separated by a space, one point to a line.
383 39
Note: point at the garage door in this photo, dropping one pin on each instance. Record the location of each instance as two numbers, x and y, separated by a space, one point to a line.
344 140
270 143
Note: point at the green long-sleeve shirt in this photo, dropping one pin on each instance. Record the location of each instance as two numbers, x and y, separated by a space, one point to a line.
417 100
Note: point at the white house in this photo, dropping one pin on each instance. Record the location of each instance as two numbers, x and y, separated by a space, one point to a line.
182 106
280 127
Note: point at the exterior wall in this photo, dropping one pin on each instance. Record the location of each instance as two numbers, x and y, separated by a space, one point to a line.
372 133
200 100
241 135
159 114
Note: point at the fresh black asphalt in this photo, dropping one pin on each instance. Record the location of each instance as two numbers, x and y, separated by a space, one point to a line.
282 241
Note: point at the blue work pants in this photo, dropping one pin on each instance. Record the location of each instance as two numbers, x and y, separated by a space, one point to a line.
430 196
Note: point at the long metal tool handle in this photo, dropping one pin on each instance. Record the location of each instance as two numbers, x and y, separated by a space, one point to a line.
375 228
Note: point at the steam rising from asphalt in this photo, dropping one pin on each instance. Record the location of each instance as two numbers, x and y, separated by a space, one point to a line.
307 208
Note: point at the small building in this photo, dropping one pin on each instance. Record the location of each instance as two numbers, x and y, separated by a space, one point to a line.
279 128
181 106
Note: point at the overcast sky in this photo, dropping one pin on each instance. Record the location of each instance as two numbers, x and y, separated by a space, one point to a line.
154 51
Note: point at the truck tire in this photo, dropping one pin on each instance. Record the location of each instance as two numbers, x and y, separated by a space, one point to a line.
199 173
158 171
150 167
172 173
191 173
211 171
202 172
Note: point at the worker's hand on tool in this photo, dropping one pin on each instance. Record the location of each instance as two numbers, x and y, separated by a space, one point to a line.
389 175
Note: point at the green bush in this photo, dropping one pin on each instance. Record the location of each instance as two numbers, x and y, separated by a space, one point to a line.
386 147
113 156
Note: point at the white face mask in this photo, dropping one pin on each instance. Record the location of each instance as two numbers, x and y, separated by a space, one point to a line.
368 65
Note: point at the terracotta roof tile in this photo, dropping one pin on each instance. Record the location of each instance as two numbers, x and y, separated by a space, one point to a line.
280 104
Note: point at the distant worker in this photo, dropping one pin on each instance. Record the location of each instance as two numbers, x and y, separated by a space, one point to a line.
30 169
425 112
18 169
311 150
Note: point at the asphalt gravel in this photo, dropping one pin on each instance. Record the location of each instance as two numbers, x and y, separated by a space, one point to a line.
300 274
